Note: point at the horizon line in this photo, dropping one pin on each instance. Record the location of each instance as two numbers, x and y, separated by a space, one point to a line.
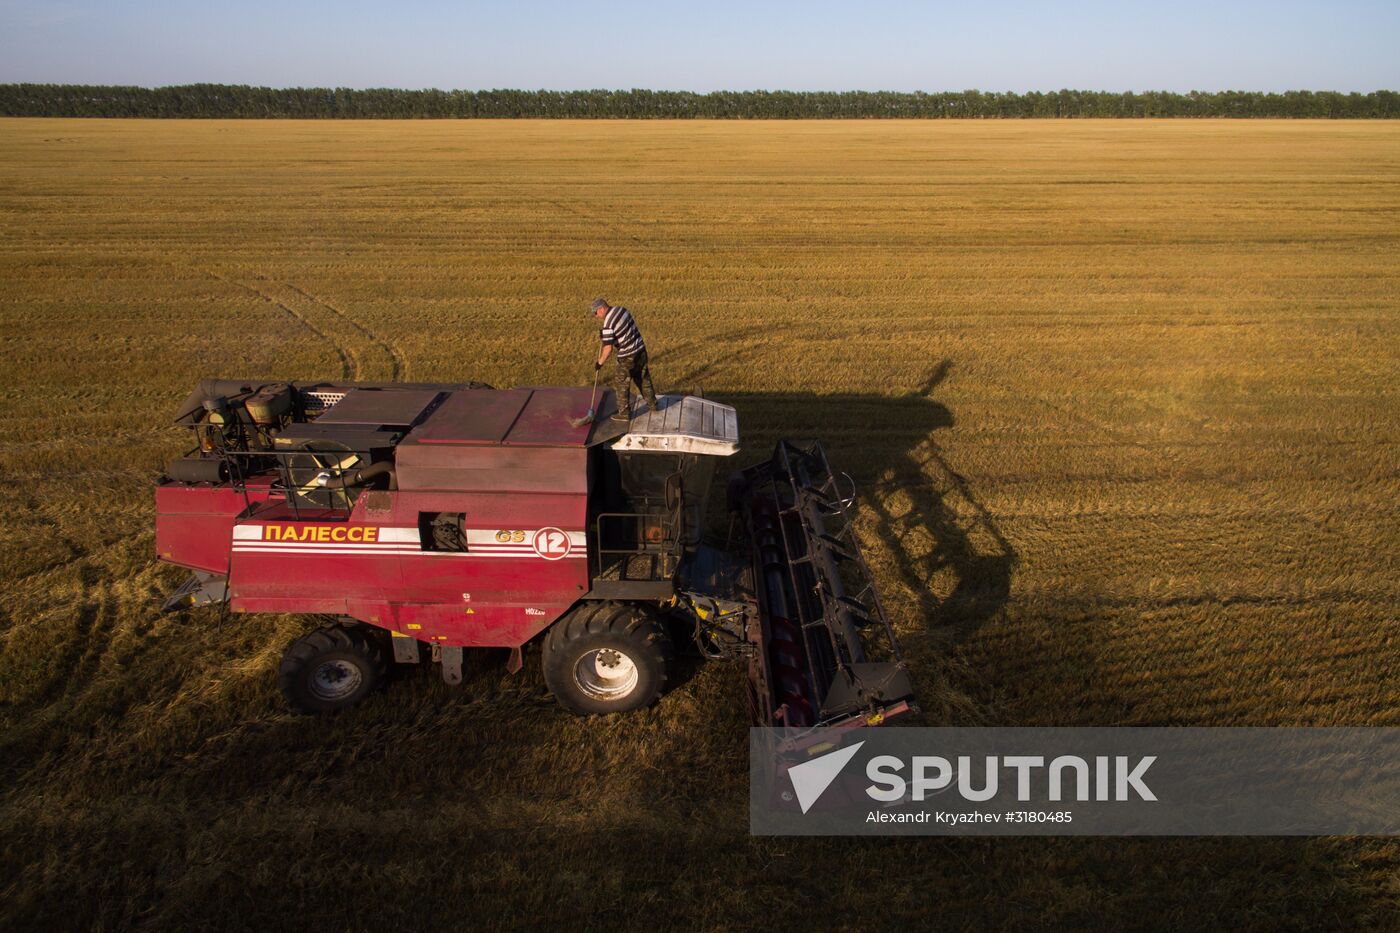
652 90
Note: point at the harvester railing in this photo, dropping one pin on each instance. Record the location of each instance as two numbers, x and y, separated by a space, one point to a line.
244 465
653 542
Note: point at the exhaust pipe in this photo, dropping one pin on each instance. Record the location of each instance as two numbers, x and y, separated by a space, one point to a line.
327 478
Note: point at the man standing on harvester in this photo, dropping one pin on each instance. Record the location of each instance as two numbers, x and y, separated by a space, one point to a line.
621 337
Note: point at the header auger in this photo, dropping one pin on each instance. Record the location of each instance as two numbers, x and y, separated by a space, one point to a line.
430 518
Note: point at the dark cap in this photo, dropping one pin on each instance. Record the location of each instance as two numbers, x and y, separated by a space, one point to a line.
600 303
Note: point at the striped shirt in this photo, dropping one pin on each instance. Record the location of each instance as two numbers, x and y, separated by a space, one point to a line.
620 332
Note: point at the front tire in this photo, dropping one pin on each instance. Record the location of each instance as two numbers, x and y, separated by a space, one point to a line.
607 658
332 668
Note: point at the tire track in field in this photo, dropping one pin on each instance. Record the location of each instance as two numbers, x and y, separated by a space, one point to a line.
81 552
354 343
398 366
96 620
77 550
87 605
348 367
350 359
77 553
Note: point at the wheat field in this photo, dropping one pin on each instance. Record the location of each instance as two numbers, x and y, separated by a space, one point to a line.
1120 399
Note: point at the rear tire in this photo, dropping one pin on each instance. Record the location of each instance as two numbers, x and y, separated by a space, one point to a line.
332 668
607 658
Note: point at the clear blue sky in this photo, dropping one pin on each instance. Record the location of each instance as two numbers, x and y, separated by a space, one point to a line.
1347 45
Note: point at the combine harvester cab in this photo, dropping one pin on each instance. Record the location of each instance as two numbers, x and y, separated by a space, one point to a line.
420 520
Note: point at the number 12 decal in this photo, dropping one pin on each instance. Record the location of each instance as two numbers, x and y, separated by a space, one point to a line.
551 543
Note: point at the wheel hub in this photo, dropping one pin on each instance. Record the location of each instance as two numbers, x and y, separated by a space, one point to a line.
606 674
335 679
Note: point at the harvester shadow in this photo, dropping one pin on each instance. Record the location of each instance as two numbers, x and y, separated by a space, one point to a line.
923 524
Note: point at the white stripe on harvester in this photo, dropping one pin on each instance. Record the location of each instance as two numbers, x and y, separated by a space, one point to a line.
408 535
405 541
371 545
404 552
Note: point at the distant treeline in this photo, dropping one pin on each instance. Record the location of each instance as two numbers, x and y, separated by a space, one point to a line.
241 101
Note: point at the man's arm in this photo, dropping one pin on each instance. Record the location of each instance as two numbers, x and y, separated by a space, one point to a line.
603 357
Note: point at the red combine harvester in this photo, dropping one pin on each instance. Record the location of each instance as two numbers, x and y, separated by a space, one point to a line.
425 519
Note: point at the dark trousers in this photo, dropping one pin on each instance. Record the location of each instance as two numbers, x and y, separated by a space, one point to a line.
632 370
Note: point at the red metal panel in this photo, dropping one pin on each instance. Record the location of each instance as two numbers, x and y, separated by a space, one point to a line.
397 407
547 419
508 585
469 627
526 562
283 565
472 417
194 523
495 469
